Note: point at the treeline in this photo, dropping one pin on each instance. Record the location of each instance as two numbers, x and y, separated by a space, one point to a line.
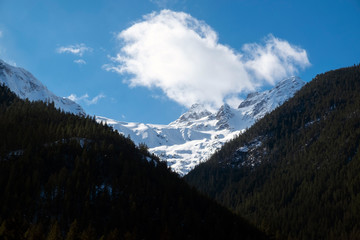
64 176
306 181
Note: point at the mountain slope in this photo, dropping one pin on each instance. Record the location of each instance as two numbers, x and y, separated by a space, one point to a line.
26 86
63 176
295 173
198 133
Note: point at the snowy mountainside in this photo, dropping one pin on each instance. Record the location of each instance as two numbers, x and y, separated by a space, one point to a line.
198 133
256 105
25 85
183 144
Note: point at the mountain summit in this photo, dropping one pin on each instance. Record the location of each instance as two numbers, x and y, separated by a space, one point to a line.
196 112
256 105
198 133
26 86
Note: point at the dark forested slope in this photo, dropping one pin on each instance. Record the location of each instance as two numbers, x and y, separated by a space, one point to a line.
296 172
67 177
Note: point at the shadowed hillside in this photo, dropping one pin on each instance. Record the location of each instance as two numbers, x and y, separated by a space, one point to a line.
64 176
295 173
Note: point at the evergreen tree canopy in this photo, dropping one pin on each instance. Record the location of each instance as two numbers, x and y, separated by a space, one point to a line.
298 177
64 176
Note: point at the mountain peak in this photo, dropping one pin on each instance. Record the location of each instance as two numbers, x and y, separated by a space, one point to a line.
256 105
223 115
224 110
26 86
196 112
292 81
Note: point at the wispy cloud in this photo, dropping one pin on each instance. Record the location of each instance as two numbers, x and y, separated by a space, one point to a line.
1 34
80 61
164 3
274 60
77 49
234 101
182 56
86 99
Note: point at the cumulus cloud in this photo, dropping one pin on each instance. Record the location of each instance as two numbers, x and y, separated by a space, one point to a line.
80 61
182 56
77 49
86 99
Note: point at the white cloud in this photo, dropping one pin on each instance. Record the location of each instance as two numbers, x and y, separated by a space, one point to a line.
80 61
1 34
274 60
86 99
182 56
77 49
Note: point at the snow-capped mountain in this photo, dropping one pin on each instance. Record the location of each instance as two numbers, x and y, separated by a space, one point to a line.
185 142
25 85
198 133
256 105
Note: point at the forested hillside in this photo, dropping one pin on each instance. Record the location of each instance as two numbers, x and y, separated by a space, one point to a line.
64 176
296 172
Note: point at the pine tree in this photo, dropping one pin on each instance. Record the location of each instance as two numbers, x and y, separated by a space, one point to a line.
54 233
88 234
35 232
73 233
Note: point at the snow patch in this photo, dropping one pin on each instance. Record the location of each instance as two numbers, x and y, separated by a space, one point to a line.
198 133
26 86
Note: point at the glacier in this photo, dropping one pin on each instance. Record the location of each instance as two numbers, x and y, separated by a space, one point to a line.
199 132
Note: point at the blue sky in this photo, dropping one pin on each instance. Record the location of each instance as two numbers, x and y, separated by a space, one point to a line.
135 61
